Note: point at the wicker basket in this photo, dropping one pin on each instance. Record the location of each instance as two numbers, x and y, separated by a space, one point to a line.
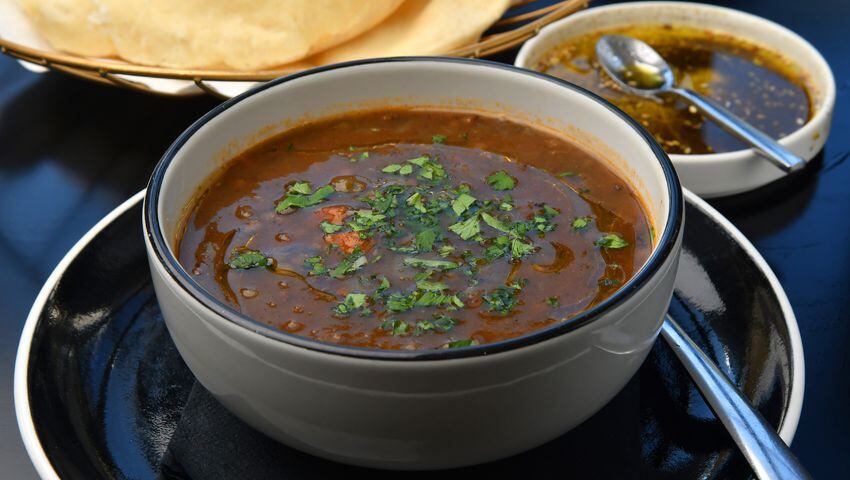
512 30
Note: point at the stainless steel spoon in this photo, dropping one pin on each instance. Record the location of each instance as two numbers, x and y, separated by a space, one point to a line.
767 454
639 69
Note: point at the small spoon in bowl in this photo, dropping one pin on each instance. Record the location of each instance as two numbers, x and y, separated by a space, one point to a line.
639 69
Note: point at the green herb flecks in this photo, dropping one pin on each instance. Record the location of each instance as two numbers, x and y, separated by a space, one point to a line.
501 181
430 264
352 302
611 241
462 343
462 203
328 227
503 300
315 266
580 223
468 228
438 138
349 264
244 259
299 196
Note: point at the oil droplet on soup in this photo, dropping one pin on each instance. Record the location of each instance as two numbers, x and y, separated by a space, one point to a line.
414 229
755 83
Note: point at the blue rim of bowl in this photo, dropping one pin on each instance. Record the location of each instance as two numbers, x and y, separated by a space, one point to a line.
662 250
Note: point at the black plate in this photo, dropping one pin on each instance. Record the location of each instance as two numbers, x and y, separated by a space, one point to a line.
100 387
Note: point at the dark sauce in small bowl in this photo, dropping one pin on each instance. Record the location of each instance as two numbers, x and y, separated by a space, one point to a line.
757 84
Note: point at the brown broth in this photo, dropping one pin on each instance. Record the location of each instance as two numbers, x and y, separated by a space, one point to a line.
237 212
757 84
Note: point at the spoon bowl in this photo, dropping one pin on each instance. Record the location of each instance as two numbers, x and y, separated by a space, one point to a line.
634 65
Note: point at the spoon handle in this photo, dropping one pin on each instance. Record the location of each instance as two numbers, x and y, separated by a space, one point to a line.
766 146
767 454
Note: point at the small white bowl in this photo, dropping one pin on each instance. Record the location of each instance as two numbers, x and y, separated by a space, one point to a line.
413 409
717 174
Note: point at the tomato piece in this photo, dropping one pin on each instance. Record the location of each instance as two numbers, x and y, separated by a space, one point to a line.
334 214
348 241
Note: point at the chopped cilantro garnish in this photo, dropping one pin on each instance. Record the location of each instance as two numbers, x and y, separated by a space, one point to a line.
316 265
328 227
462 203
428 286
501 181
462 343
397 327
580 223
246 258
441 323
611 240
400 302
438 138
428 169
520 249
365 219
385 284
430 264
553 302
300 188
495 222
349 264
299 196
468 228
567 174
502 300
353 301
416 201
446 250
507 204
424 240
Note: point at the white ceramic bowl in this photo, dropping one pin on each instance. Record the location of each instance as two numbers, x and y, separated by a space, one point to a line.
426 409
718 174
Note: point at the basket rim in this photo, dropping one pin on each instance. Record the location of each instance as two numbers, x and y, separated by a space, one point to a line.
90 67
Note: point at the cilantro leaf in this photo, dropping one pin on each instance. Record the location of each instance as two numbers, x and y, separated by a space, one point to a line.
567 174
430 264
424 240
353 301
438 138
461 343
328 227
468 228
349 264
296 198
611 240
503 300
580 223
400 302
462 203
495 222
416 201
520 249
300 188
501 181
391 168
244 259
316 265
428 286
397 327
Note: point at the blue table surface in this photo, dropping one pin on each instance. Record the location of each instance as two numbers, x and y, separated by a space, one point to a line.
71 151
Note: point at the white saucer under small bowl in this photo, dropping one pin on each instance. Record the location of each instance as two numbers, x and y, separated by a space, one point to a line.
716 174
